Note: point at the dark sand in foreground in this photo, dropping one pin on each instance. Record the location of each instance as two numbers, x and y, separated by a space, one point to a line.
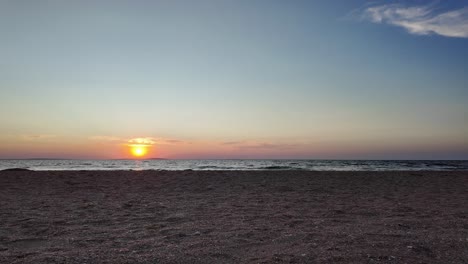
233 217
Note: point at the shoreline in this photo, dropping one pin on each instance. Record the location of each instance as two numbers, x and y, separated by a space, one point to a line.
238 165
232 170
192 216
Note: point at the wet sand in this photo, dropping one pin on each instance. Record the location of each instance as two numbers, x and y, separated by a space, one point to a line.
233 217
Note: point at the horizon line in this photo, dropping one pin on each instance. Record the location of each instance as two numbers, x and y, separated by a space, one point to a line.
323 159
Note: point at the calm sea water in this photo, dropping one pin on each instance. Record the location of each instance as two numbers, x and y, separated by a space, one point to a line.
312 165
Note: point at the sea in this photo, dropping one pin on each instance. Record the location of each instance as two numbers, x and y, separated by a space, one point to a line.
308 165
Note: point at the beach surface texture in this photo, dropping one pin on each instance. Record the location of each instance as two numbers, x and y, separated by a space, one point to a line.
233 217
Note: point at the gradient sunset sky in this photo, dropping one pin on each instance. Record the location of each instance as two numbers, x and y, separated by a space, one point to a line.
234 79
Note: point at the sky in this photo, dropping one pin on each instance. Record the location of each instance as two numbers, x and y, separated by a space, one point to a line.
234 79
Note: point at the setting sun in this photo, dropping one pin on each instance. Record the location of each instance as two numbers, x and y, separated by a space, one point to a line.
138 151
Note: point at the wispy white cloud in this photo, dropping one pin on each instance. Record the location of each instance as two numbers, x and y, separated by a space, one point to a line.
421 20
154 141
148 141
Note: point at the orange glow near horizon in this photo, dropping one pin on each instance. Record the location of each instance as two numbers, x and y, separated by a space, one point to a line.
124 148
138 150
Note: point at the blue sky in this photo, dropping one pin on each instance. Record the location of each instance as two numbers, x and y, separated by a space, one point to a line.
308 79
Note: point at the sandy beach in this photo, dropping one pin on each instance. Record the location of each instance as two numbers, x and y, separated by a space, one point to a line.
233 217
